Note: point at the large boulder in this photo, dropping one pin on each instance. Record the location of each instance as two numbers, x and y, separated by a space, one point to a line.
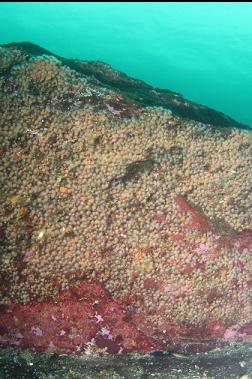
123 227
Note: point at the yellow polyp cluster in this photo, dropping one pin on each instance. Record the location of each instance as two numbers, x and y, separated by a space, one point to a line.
14 199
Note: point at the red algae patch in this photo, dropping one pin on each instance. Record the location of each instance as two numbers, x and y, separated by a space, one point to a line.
122 228
84 319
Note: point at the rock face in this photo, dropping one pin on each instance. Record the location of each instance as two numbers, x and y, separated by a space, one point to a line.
136 90
123 227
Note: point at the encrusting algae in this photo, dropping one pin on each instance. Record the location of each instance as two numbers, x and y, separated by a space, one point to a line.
155 208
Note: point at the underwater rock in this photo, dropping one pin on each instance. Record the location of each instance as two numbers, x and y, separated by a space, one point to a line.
124 228
135 89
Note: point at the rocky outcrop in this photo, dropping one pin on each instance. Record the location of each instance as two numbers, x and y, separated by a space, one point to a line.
124 228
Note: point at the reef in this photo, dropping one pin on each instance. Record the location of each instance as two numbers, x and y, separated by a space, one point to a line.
125 226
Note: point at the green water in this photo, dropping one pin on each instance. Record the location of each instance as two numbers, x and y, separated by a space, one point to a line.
202 50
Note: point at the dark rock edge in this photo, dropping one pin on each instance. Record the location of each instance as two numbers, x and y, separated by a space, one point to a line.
229 363
135 90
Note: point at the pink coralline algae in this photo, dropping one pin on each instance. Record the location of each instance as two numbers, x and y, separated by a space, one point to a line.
229 333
